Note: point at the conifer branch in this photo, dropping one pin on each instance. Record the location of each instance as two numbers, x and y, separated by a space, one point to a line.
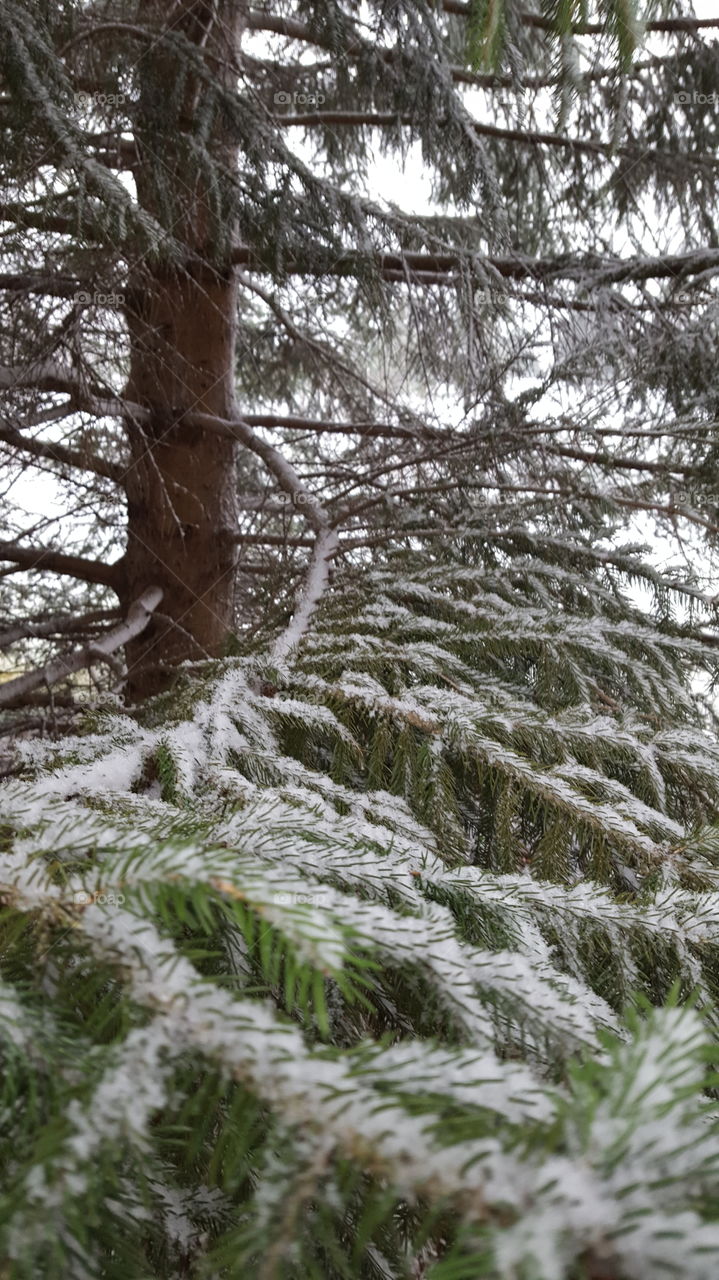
102 649
47 559
528 137
316 581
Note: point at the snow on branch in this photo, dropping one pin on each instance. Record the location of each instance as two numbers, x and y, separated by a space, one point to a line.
102 649
312 591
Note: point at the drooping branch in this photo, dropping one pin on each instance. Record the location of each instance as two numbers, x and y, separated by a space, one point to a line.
325 546
277 465
101 650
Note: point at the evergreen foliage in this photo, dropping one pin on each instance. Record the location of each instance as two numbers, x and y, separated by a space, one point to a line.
348 967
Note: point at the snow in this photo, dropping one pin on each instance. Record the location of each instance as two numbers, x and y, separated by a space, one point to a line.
326 545
13 1019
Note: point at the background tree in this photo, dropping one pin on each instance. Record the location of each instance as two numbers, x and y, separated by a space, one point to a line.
186 282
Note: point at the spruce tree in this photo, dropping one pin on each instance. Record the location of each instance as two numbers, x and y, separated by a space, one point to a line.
360 923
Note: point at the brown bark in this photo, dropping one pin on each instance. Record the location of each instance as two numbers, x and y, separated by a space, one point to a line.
181 484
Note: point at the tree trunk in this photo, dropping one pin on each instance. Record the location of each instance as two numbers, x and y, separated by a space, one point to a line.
181 487
181 484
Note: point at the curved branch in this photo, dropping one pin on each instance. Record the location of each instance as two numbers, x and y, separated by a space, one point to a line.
52 377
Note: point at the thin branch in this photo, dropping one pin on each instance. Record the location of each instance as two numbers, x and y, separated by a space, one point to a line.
42 375
55 286
379 429
665 25
103 649
271 540
37 219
